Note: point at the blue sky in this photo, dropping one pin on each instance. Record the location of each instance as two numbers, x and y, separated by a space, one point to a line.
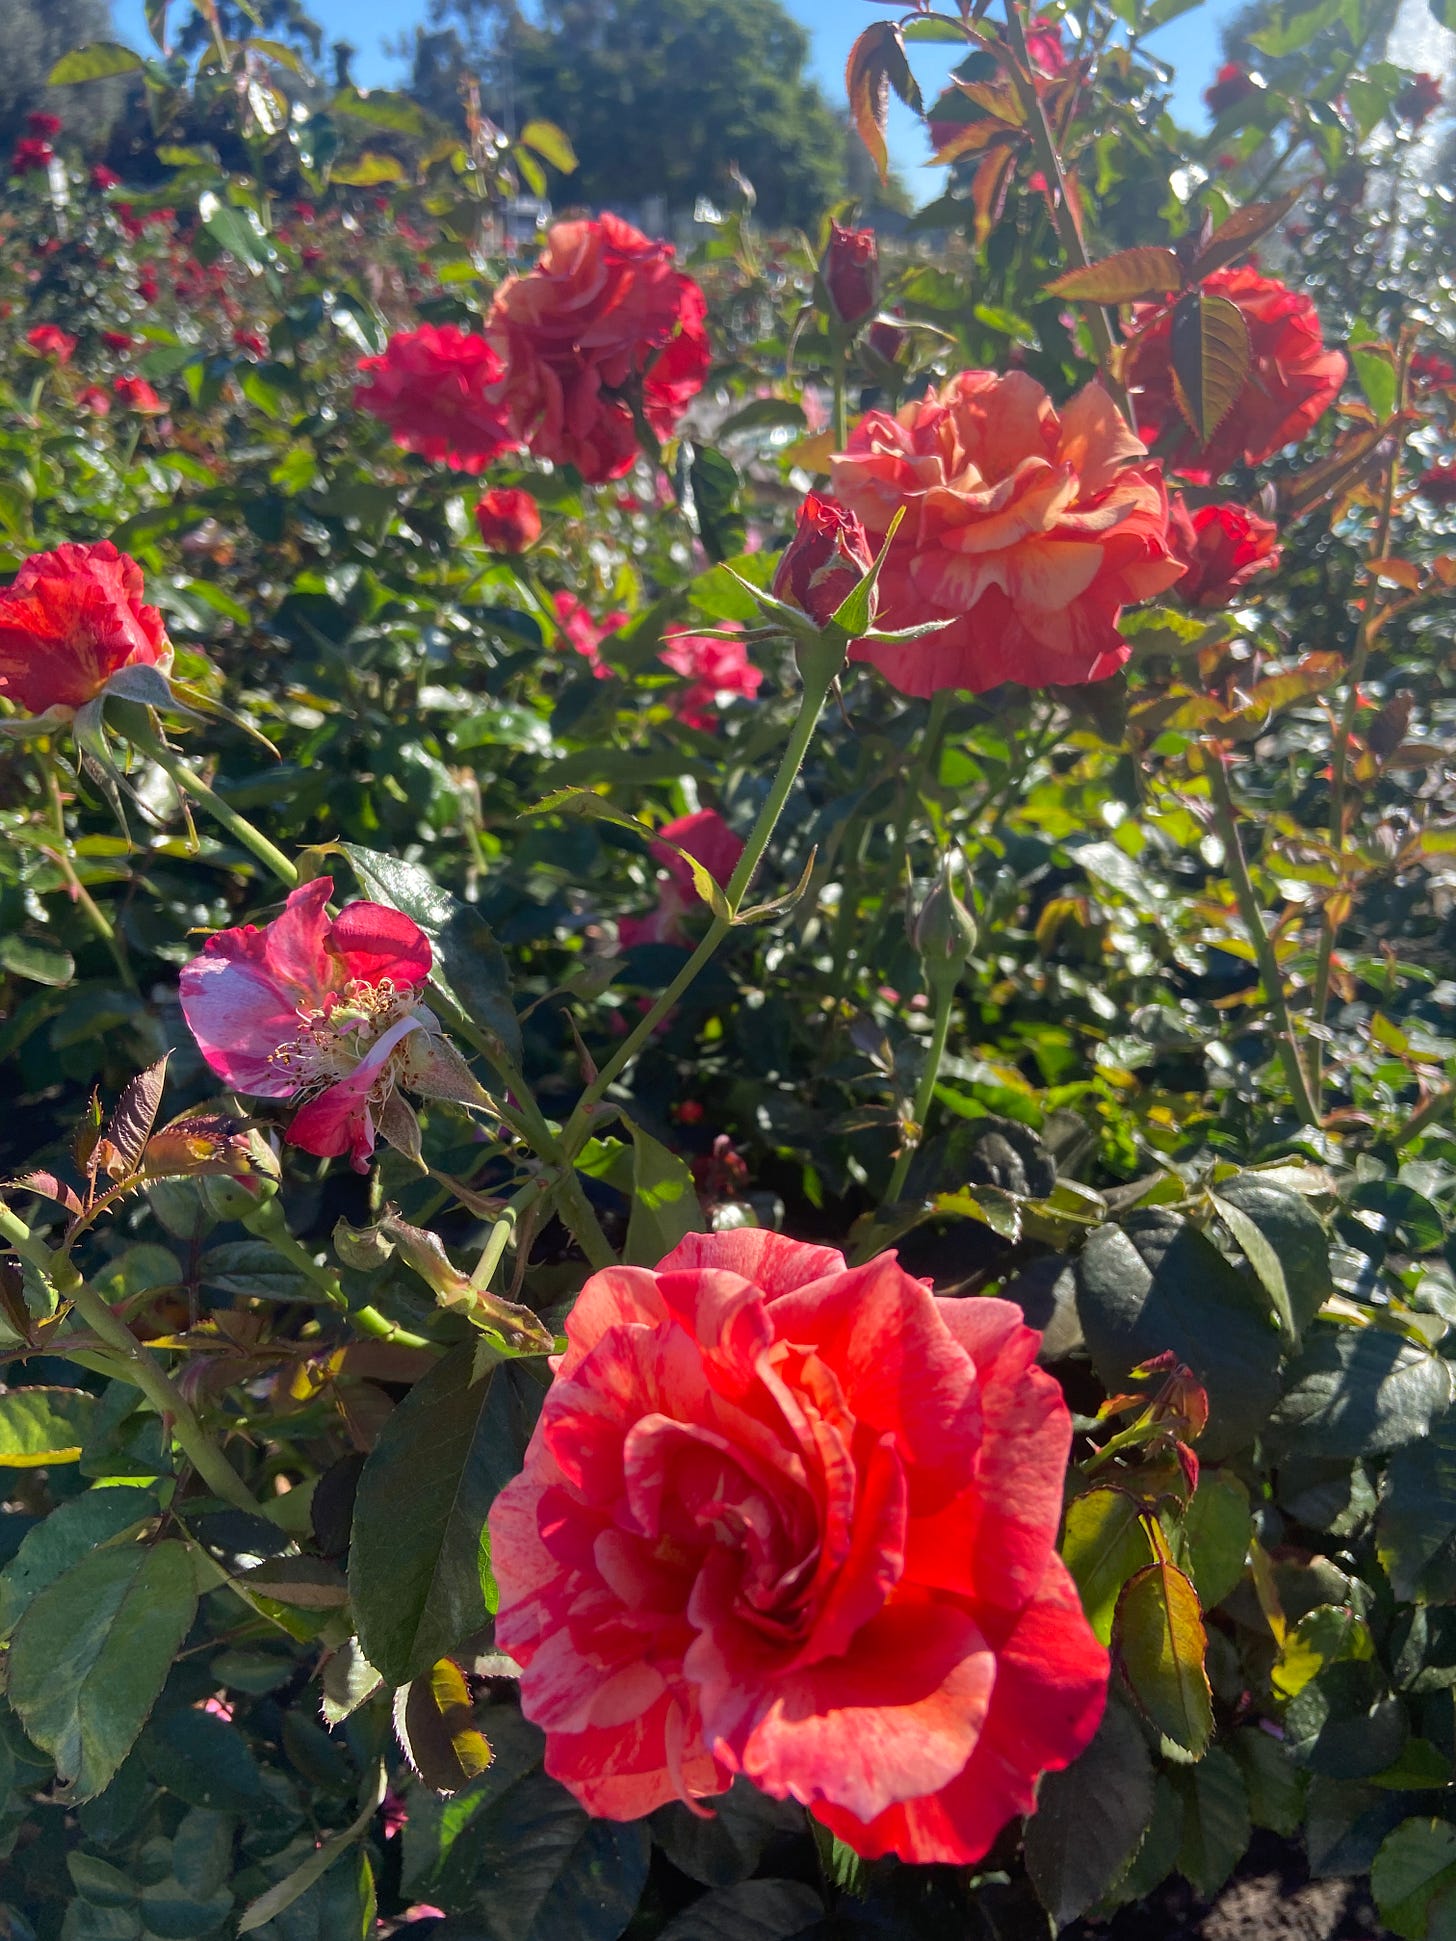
1190 44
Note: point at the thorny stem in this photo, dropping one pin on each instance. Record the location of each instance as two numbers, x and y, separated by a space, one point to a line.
504 1229
1064 212
80 895
1226 822
141 1367
811 704
268 1224
187 779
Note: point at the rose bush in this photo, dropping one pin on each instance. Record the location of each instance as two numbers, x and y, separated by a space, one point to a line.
961 1094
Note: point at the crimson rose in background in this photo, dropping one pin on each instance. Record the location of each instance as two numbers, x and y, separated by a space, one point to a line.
704 836
1222 547
49 340
509 520
1027 529
1292 382
602 321
433 388
712 668
70 622
326 1013
795 1520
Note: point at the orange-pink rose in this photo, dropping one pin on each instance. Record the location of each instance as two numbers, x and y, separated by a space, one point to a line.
1027 529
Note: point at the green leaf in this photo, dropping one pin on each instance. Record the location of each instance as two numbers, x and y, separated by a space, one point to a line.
1417 1507
435 1725
97 62
552 1871
1274 1786
1285 1243
238 231
1414 1880
1216 1532
1375 368
91 1654
1324 1636
1211 359
381 109
752 1910
37 958
665 1205
284 1893
1159 1640
72 1531
1157 1283
1358 1392
1148 271
43 1425
468 960
551 142
1103 1545
439 1849
368 170
714 485
1090 1818
419 1560
1215 1822
1345 1724
203 1760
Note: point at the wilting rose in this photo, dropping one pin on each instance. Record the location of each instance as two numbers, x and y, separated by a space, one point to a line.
1438 484
712 668
825 560
438 391
1026 529
602 320
704 836
1419 99
795 1520
1293 379
1231 85
1222 547
509 520
851 273
137 395
326 1013
72 620
49 340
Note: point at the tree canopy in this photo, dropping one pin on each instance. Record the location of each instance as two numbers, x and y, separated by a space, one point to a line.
725 77
34 34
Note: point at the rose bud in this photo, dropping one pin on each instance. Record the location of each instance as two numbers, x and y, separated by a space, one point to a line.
824 561
1222 547
851 273
1232 85
1419 99
943 935
509 520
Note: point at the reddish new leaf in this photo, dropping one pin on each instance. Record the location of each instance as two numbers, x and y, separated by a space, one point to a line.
876 64
1237 234
1128 277
1211 359
48 1187
131 1123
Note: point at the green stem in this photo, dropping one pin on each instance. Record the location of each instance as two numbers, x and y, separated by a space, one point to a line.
188 780
1226 822
141 1367
1064 213
268 1224
94 914
817 684
924 1091
928 752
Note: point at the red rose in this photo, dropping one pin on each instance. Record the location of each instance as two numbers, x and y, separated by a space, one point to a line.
1419 99
137 395
93 399
603 318
31 155
1222 547
49 340
704 836
71 620
825 560
1427 368
252 341
116 340
509 520
851 273
1293 379
437 391
103 178
1439 484
583 634
1231 85
712 668
1026 529
45 126
790 1519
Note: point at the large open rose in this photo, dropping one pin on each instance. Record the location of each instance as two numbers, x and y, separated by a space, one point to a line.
790 1519
1293 380
604 320
438 390
71 621
1027 529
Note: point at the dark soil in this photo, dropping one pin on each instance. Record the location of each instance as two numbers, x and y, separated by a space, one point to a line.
1270 1898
